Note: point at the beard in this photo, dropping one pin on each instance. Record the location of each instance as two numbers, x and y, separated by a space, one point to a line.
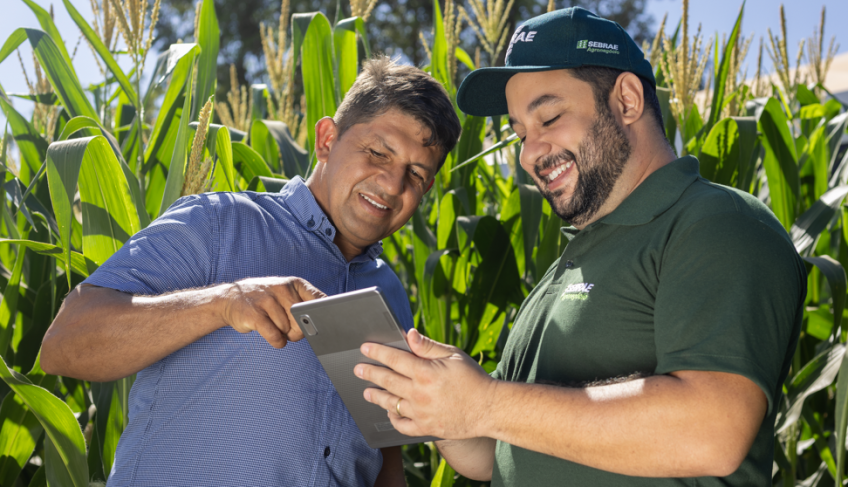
601 157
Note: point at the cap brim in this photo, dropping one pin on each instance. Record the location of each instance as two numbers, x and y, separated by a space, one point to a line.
483 91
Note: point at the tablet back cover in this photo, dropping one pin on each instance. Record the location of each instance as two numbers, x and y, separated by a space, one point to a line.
336 327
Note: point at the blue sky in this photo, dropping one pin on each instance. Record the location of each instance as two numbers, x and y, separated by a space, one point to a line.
714 15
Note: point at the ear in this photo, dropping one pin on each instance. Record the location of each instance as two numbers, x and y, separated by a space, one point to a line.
628 98
325 138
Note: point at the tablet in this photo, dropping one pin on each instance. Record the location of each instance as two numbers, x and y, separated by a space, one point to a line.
336 327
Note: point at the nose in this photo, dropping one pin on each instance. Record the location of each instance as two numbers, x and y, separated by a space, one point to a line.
392 178
533 148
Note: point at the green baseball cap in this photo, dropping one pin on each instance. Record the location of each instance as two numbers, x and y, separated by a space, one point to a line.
562 39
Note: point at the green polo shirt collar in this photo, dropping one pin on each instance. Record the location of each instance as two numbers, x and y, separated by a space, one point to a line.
653 197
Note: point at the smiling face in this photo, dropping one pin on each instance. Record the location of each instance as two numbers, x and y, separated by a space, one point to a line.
371 179
575 153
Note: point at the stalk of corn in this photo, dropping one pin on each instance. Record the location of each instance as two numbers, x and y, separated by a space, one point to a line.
198 168
683 68
818 57
787 79
490 24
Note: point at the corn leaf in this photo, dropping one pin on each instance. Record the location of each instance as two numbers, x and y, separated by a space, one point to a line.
175 64
76 124
669 122
61 75
250 162
67 461
208 37
531 216
101 50
109 425
266 185
548 250
109 215
312 33
9 306
347 55
45 20
780 162
496 279
834 273
434 286
724 70
814 376
820 439
218 139
439 58
813 221
444 475
78 263
274 142
19 428
176 170
841 420
32 146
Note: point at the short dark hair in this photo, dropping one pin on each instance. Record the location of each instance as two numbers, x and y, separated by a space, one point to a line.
384 85
603 81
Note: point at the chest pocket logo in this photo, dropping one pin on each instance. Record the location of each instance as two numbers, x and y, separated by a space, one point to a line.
579 291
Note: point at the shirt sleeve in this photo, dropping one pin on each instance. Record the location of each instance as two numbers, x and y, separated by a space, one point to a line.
176 251
730 298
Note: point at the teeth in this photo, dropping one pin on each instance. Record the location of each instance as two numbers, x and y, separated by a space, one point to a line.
378 205
559 170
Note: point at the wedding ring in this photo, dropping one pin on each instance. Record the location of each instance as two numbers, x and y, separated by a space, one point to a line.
397 408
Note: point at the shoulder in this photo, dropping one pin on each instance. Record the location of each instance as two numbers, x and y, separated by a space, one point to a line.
733 231
722 209
227 207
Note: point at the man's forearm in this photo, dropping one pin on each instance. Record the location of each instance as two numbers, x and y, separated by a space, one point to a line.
662 426
101 334
473 458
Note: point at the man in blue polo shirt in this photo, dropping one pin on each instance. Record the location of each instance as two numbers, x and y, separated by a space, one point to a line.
213 403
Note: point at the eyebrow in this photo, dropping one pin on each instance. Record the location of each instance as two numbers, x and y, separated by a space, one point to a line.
546 99
423 166
385 144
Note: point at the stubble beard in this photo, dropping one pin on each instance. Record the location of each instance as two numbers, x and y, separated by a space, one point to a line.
602 155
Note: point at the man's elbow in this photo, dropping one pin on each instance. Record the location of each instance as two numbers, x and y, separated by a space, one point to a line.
480 474
51 355
719 458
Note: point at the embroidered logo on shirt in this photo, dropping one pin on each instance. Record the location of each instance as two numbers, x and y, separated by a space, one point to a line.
577 291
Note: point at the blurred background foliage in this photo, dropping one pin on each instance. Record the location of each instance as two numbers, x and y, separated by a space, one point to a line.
91 166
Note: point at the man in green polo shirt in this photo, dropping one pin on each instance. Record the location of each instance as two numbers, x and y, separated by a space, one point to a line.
652 353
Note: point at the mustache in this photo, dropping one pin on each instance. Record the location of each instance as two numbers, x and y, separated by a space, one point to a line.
552 160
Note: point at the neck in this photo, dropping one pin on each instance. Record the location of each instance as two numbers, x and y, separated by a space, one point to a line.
645 159
318 187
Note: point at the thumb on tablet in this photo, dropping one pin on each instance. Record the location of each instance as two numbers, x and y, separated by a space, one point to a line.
426 348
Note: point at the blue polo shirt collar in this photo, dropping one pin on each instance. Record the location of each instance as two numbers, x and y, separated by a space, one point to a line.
303 205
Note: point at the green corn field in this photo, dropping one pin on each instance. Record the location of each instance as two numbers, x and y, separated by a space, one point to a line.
94 165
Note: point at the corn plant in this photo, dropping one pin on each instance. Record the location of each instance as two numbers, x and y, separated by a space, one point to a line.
96 165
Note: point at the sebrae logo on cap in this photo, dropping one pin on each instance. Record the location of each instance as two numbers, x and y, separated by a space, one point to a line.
519 36
592 46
